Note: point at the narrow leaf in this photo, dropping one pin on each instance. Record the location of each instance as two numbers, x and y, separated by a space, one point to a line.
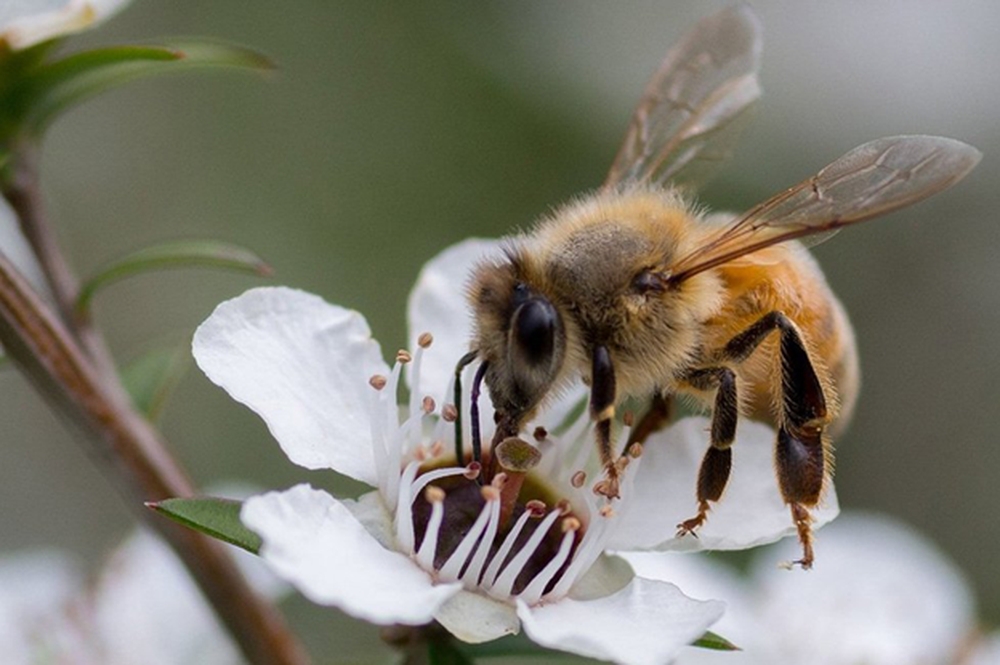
59 85
219 518
185 253
715 642
151 378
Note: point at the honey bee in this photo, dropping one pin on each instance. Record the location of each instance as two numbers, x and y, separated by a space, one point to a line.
642 295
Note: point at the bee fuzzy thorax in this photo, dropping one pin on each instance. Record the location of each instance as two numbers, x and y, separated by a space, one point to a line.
605 259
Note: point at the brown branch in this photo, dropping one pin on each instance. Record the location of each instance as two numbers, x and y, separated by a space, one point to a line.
85 389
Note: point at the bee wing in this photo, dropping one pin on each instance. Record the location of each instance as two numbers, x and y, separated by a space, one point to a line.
873 179
690 113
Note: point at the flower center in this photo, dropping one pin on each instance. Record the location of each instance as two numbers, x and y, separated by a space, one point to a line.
511 537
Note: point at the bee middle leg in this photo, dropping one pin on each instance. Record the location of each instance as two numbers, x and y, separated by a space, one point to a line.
718 460
800 453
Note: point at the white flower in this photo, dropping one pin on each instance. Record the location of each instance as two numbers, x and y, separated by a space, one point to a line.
881 594
143 608
24 23
431 543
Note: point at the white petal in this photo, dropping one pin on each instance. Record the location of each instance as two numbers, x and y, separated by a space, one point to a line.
704 578
475 618
36 589
24 23
147 609
878 593
303 366
313 541
606 576
438 305
750 513
646 623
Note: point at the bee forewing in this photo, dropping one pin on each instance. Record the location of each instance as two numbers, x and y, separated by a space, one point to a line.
873 179
690 113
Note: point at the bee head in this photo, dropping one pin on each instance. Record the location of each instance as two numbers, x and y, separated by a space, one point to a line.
521 336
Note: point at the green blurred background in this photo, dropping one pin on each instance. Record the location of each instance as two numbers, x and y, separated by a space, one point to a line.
393 129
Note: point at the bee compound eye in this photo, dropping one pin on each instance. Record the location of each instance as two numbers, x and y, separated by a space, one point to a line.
534 328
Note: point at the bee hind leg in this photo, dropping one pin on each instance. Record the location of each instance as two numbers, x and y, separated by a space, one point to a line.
713 474
800 452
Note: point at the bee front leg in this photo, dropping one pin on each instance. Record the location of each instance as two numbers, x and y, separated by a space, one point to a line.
715 466
801 450
603 393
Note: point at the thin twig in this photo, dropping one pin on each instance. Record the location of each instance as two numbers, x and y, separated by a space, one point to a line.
83 386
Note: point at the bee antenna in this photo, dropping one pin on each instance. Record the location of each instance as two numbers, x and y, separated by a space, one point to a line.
477 443
463 362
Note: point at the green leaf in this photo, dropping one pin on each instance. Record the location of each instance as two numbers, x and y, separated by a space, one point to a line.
57 86
716 642
517 645
151 378
219 518
445 652
180 254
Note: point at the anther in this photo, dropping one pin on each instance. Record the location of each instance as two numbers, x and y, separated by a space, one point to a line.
536 508
499 480
434 494
628 418
425 340
635 451
570 524
428 404
605 511
449 413
564 507
602 487
540 433
578 479
377 381
472 470
490 493
403 356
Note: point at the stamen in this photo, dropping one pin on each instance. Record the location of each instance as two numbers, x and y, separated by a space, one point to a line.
388 477
426 479
472 574
377 381
403 356
472 471
453 566
586 553
428 547
578 479
540 433
404 510
533 592
428 405
425 340
505 582
508 543
449 413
